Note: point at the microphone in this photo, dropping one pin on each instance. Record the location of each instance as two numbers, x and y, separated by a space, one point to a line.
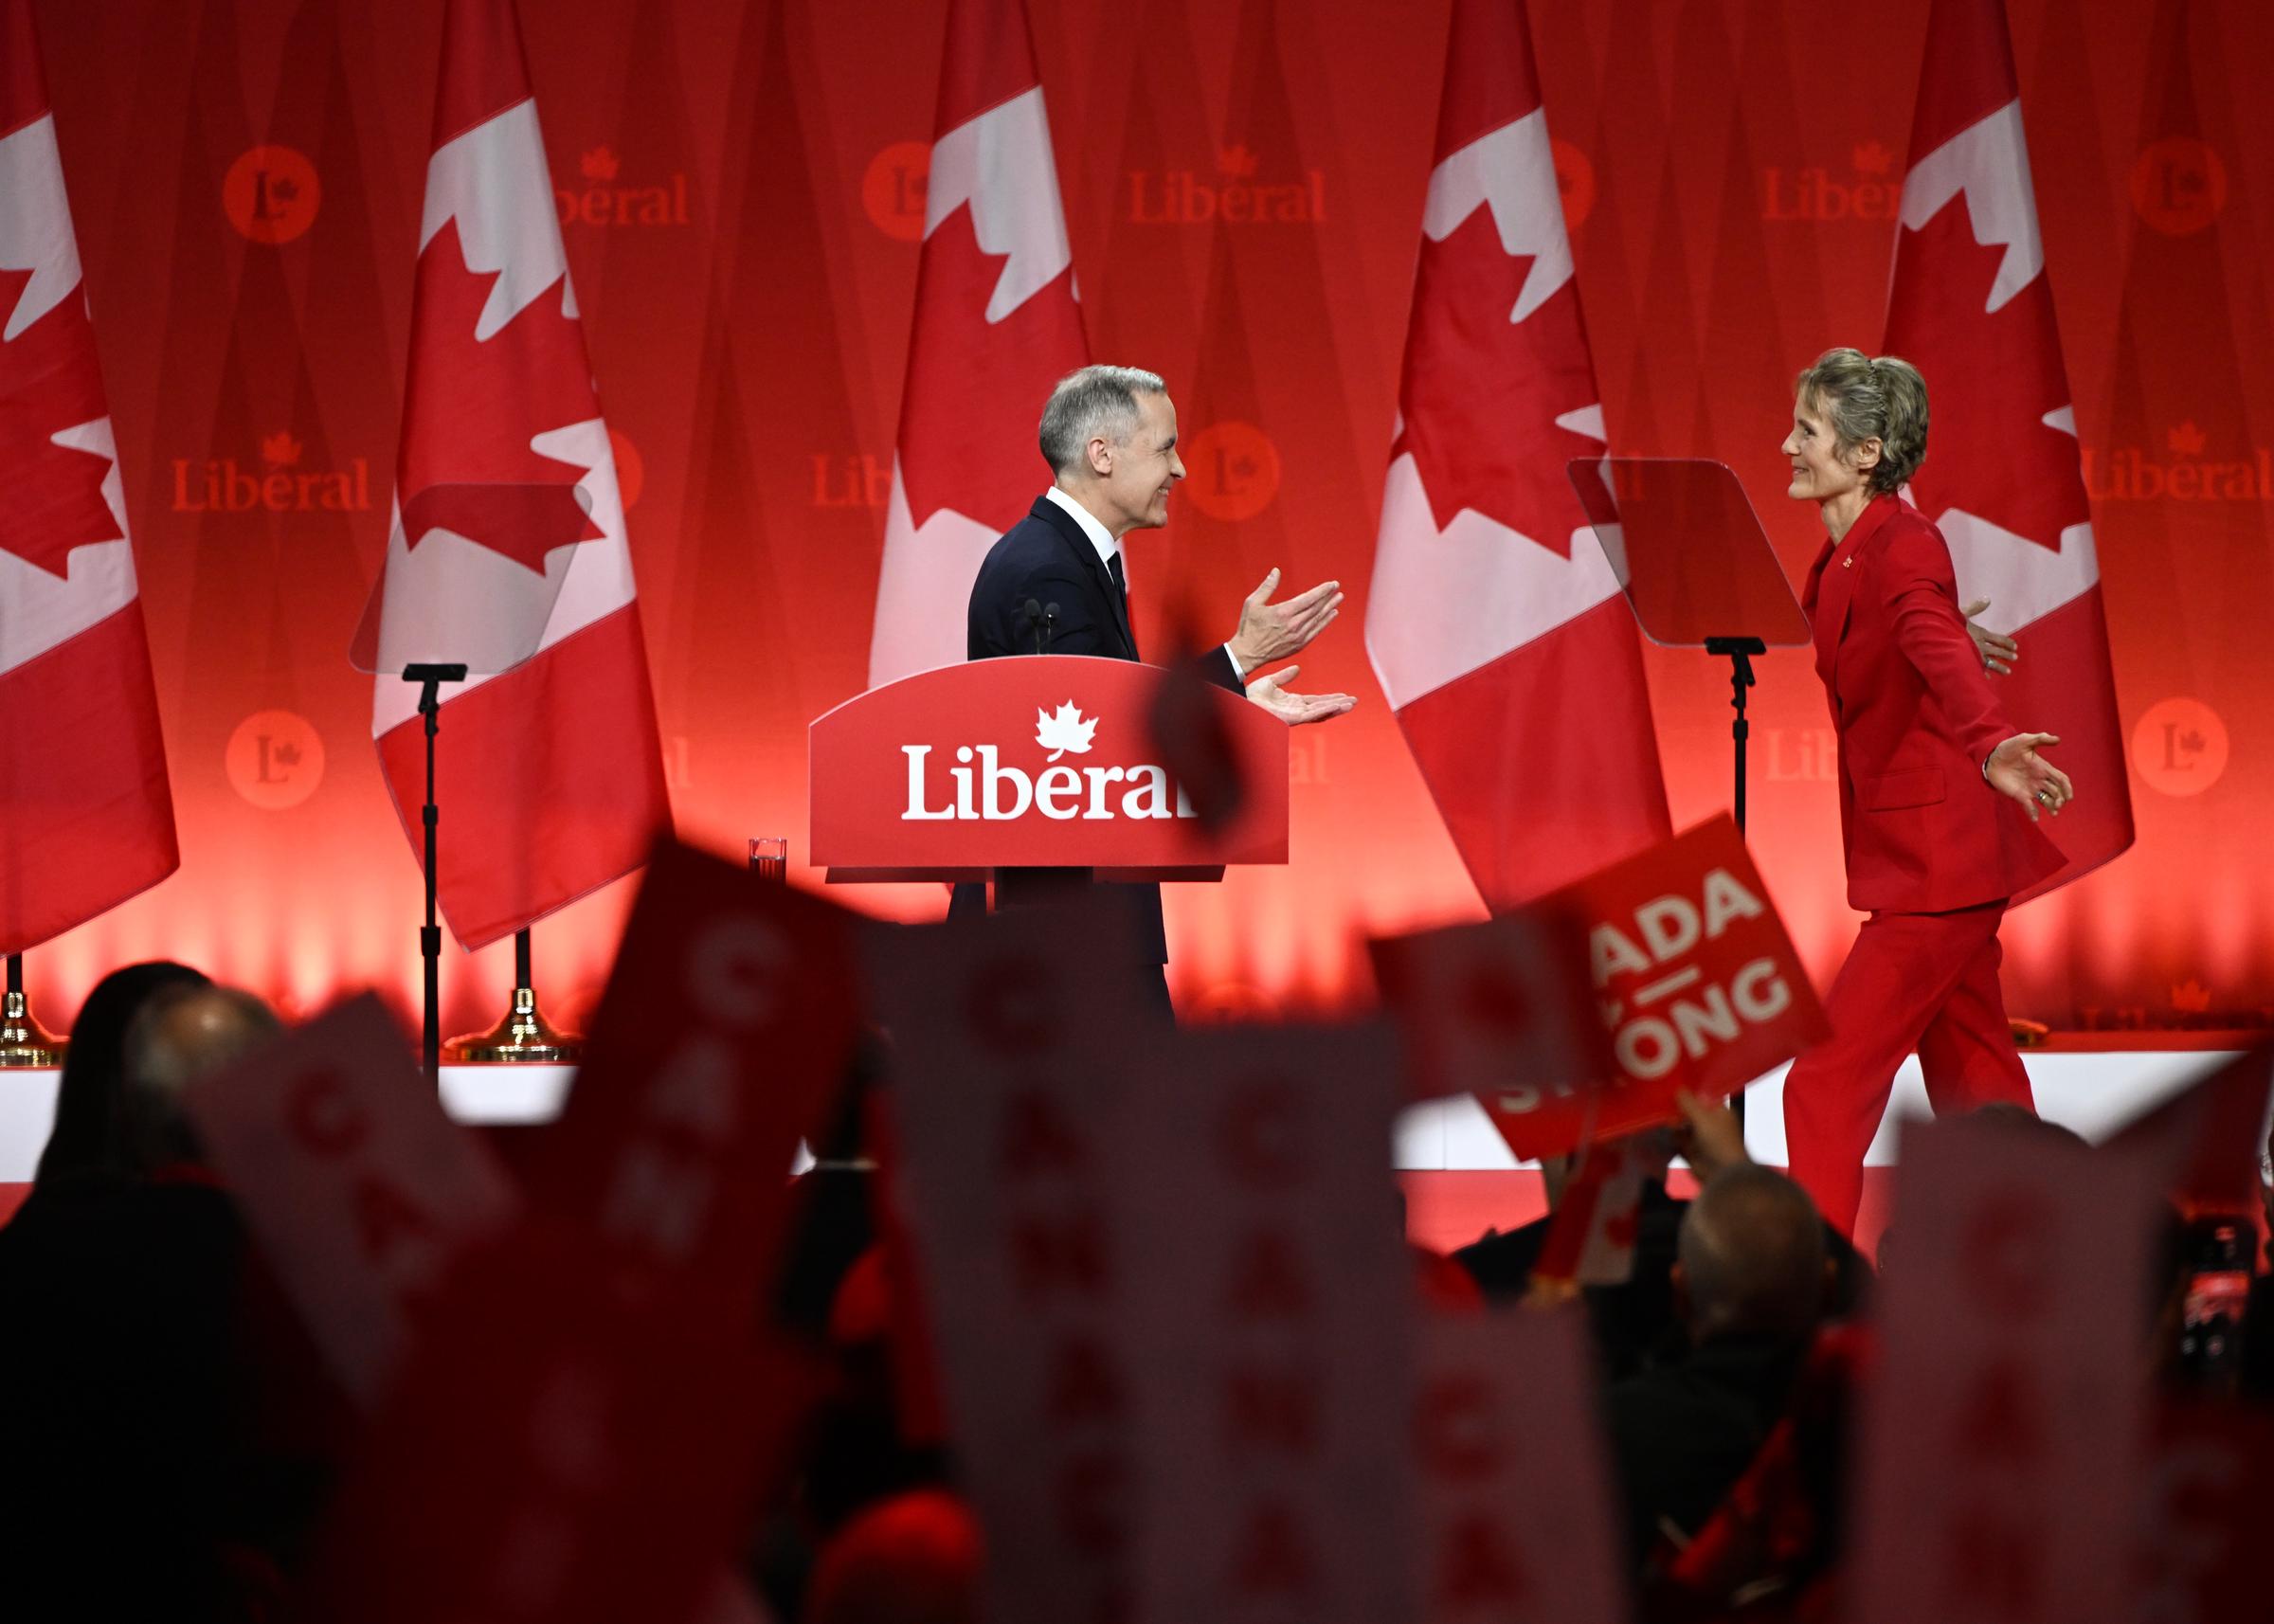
1050 620
1033 611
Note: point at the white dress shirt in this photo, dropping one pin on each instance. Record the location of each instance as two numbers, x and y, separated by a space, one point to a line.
1109 549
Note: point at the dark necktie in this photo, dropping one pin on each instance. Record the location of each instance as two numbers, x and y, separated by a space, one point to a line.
1121 587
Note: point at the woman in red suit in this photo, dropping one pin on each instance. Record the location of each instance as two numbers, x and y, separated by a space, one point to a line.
1940 794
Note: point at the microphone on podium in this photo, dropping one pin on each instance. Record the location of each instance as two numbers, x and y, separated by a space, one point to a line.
1042 619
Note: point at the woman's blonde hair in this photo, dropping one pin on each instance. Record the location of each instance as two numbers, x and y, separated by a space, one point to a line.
1862 398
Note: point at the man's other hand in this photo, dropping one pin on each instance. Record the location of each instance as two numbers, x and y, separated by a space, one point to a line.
1997 650
1269 631
1296 709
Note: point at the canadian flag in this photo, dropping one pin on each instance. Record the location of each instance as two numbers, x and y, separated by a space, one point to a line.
86 817
508 532
1494 623
1971 310
996 326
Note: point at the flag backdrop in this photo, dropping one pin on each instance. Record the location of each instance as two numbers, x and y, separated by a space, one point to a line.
1496 626
1973 309
85 816
740 193
509 532
996 326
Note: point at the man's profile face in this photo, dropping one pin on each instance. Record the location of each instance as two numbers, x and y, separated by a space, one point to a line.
1139 472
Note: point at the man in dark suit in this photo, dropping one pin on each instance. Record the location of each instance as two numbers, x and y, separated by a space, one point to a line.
1110 437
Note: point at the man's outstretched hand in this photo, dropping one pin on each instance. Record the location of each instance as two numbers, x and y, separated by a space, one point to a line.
1296 709
1269 631
2016 769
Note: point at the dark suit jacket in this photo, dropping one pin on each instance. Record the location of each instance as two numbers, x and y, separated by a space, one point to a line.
1045 557
1681 1435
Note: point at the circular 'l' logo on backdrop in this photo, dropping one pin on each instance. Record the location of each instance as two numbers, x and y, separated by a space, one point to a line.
271 194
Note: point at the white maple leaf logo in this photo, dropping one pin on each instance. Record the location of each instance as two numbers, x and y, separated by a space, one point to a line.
1064 731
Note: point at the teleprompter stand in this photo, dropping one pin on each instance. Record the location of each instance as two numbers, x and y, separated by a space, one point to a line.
1690 555
1739 652
1689 552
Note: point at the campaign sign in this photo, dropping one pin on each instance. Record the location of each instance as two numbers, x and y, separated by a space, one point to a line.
365 1197
2208 1500
1515 1499
1008 1096
358 1189
1695 981
726 1028
1050 761
2002 1434
1481 1008
1269 1323
565 1443
1591 1237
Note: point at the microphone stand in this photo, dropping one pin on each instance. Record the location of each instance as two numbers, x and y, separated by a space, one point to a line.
430 676
1042 619
23 1040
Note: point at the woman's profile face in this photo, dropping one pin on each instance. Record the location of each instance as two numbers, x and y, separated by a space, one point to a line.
1819 472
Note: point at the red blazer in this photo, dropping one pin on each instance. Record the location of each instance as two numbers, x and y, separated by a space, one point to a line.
1916 717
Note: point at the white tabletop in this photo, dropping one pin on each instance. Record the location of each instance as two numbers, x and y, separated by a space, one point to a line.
2091 1092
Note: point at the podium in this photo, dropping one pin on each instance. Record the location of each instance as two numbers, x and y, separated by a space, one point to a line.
1047 760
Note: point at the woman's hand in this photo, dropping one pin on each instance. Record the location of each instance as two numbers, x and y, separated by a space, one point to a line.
1999 651
2015 768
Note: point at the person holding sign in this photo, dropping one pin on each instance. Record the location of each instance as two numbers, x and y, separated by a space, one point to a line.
1940 794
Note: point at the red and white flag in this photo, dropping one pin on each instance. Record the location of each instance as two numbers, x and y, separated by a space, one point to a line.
997 325
508 548
1494 623
1971 310
86 815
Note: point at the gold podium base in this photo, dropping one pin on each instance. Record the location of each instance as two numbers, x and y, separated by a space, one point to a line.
23 1043
524 1037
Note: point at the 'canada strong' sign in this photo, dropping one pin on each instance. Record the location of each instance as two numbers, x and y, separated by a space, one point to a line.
1694 979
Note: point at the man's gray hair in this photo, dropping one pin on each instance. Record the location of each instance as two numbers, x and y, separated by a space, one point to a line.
1096 403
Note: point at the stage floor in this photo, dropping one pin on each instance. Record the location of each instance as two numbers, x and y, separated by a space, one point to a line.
1458 1176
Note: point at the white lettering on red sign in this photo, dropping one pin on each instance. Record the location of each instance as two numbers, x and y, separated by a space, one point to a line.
981 789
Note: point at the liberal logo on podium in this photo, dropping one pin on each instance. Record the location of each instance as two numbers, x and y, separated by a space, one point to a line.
1048 762
1004 794
1063 731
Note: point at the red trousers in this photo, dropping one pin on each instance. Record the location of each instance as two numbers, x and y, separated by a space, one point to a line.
1924 982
